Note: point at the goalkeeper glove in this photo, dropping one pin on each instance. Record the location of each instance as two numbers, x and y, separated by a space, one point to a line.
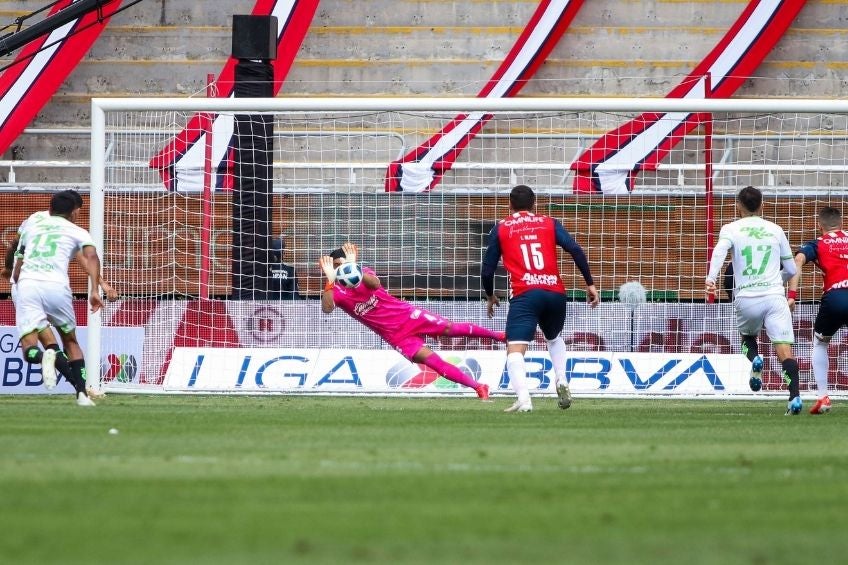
350 251
326 264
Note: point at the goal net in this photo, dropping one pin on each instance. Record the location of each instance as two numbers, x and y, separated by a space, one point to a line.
216 258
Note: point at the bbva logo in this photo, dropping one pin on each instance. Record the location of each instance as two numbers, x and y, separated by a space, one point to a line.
600 369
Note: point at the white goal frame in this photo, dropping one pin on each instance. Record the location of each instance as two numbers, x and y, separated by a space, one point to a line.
100 106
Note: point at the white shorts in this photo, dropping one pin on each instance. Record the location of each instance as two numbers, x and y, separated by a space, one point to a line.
754 312
41 303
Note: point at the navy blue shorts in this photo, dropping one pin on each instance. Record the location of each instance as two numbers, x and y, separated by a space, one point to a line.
533 308
833 312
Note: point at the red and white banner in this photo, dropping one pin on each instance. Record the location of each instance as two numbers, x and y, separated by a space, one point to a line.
43 65
422 168
181 161
611 164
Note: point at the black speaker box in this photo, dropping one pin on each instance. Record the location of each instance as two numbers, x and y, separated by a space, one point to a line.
255 37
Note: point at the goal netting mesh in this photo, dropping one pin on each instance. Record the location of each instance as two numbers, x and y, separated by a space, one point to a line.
172 250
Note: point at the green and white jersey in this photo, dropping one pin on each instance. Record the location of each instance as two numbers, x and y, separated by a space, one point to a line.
48 244
32 219
758 249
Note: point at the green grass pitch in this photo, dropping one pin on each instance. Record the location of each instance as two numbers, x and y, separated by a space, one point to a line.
419 480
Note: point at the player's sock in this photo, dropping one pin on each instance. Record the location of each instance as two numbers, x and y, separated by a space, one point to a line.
77 379
61 363
821 365
450 372
790 377
470 330
72 378
33 355
518 376
749 347
558 351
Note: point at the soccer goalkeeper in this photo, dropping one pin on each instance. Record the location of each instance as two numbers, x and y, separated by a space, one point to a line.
399 323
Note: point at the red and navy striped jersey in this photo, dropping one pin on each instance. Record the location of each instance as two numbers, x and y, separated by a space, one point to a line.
527 242
830 252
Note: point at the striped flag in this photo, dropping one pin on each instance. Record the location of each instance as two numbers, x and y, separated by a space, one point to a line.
612 163
422 168
181 161
43 65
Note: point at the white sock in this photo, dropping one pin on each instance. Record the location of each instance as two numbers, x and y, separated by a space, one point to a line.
518 376
556 347
821 365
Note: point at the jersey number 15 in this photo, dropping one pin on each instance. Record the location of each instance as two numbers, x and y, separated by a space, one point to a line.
44 245
533 252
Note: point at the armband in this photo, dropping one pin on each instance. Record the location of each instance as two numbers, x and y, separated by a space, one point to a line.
792 295
329 285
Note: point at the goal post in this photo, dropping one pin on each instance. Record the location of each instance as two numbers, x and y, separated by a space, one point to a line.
329 157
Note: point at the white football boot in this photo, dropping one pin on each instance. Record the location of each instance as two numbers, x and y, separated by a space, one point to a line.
48 368
563 395
83 400
519 406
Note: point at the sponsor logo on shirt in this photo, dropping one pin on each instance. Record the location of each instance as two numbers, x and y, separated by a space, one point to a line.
362 308
524 220
756 232
546 280
758 284
835 240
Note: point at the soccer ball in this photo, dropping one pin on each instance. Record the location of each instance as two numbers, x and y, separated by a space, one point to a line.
349 275
632 294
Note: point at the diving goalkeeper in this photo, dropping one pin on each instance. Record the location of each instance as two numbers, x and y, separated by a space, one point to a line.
399 323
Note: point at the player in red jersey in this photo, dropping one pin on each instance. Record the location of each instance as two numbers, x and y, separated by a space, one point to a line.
401 324
528 244
830 252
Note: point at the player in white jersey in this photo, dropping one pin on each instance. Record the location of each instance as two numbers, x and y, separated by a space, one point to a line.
759 249
52 356
6 273
43 289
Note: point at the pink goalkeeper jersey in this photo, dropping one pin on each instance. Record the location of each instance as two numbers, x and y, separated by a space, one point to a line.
377 309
